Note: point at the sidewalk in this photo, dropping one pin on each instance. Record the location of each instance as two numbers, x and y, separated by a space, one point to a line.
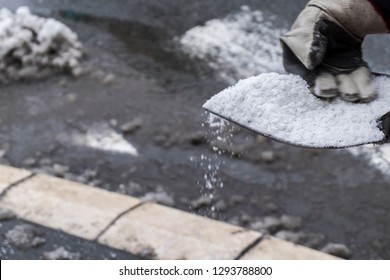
124 223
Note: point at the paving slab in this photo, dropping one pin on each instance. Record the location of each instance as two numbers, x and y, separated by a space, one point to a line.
75 208
271 248
149 230
10 175
167 233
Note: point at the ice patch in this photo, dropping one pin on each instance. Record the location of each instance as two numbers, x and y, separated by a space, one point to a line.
34 47
238 46
281 106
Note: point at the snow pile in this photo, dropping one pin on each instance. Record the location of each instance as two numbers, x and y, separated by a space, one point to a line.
238 46
281 106
33 47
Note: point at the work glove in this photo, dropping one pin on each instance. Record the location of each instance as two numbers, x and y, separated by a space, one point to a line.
324 46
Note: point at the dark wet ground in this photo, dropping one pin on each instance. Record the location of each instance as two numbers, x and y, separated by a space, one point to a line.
338 195
76 248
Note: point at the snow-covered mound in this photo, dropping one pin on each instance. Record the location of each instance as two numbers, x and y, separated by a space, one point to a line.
281 106
239 46
34 47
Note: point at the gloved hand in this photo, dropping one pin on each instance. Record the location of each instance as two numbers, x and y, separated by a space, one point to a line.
325 47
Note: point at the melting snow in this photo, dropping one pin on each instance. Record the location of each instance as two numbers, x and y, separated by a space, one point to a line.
102 137
32 46
240 45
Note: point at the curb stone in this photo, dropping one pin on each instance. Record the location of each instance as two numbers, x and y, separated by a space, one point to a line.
174 234
74 208
10 175
271 248
124 223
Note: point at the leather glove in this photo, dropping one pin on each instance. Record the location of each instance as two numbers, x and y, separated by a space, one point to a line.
324 46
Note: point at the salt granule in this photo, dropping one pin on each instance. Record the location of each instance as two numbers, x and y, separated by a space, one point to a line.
282 107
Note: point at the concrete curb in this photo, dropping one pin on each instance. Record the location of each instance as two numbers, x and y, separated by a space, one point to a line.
124 223
10 176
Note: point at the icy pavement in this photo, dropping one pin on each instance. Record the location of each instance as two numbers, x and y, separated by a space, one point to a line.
264 178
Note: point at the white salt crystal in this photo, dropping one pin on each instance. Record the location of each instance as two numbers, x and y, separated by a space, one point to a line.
281 106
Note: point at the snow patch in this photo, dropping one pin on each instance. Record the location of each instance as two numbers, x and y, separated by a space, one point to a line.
281 106
377 156
102 137
34 47
238 46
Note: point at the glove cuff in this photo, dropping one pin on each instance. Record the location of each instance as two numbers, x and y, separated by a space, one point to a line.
302 37
382 8
359 17
308 38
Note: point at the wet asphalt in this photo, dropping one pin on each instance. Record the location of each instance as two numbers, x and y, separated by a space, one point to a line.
340 197
76 248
